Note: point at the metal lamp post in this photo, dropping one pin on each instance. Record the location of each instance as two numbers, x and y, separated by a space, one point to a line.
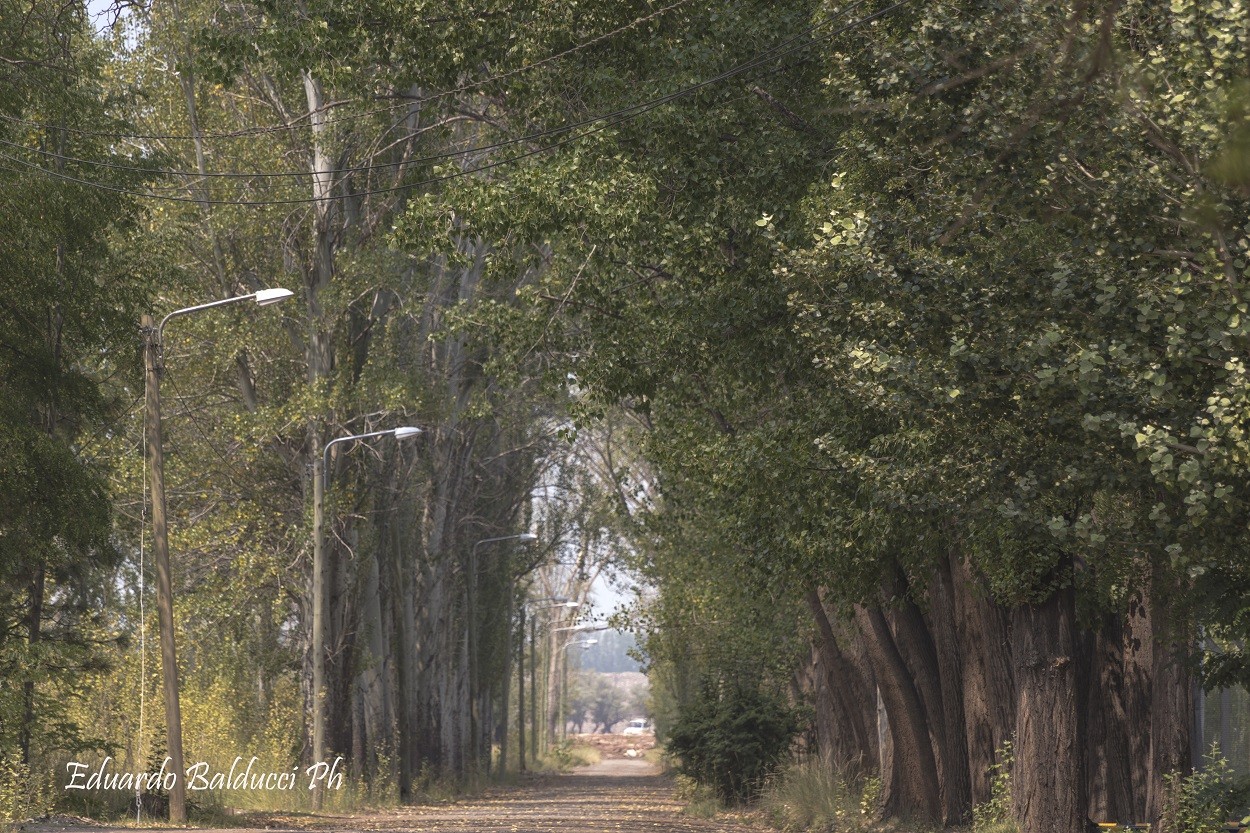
153 365
564 666
557 602
471 637
564 681
321 467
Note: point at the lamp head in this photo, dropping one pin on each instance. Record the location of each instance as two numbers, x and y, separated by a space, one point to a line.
265 297
407 432
527 538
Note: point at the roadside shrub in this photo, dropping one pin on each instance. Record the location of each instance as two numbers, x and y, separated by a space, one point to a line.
731 738
810 796
1203 801
23 794
567 754
994 815
700 800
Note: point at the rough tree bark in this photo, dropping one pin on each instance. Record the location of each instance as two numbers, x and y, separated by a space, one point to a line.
1138 653
849 739
1108 755
948 655
911 787
1048 781
1171 708
989 693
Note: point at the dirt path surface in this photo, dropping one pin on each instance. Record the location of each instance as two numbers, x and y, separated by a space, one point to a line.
617 795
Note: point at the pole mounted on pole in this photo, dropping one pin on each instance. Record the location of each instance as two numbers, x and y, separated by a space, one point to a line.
520 680
164 587
479 745
321 477
318 619
153 367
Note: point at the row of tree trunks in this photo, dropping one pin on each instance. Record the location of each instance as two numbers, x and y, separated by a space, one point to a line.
848 712
911 786
1098 712
401 698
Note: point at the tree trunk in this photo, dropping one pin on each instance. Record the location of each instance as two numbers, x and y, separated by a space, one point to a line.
34 625
846 710
1048 781
948 653
405 655
989 693
1171 713
372 680
505 688
1108 756
1138 664
911 788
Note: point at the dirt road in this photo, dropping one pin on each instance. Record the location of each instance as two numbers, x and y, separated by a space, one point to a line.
617 795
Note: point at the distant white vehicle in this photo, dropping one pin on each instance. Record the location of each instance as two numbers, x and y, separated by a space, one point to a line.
637 726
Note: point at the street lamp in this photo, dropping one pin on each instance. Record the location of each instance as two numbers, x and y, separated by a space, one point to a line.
564 680
581 628
153 365
523 537
472 639
321 476
548 603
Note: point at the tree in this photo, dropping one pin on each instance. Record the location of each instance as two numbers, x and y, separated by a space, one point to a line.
67 302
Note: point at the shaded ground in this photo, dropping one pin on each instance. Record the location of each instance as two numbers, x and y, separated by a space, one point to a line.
617 795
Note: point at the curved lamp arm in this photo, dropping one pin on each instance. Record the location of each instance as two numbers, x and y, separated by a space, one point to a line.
524 537
263 298
404 433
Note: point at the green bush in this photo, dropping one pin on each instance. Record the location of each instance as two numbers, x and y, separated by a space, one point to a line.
1203 801
700 800
731 738
994 815
23 794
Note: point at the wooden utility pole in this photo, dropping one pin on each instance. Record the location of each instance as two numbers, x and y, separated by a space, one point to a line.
470 623
318 617
520 685
564 692
164 587
534 689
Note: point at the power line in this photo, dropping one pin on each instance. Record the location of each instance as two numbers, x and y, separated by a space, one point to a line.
452 153
250 132
237 476
616 116
306 200
609 120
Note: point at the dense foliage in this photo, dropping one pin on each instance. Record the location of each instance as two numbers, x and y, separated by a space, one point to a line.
67 294
732 739
901 347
